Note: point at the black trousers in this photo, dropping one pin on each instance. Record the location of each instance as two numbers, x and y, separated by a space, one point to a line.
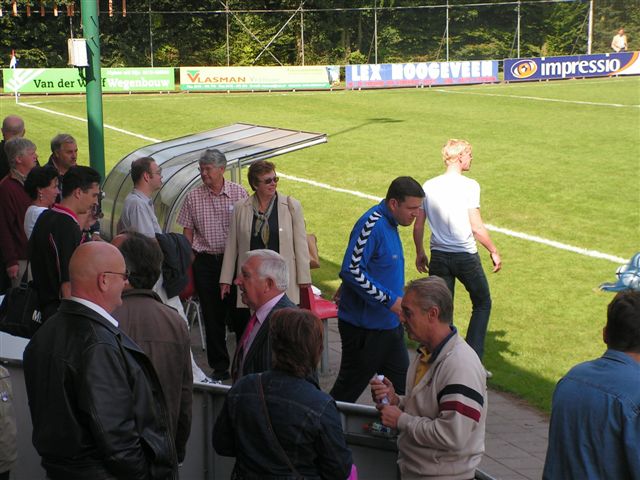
367 352
217 313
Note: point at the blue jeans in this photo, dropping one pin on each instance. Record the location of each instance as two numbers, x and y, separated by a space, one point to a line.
467 268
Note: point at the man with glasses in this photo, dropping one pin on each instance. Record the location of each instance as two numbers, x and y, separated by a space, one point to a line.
57 234
205 216
96 403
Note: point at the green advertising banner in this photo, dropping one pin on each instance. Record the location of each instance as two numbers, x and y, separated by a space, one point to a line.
258 78
68 80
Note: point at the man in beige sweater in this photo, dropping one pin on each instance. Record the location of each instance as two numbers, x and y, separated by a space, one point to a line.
441 419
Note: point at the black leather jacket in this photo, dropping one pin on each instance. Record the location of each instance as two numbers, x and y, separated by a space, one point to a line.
96 403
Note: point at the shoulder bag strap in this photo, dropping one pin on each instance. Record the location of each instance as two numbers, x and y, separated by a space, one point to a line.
266 414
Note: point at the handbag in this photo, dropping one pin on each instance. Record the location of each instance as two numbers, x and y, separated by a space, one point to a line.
268 418
20 313
312 245
314 258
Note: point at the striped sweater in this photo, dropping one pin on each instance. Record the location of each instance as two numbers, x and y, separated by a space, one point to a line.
441 432
372 271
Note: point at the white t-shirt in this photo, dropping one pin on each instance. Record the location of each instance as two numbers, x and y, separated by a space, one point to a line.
30 217
448 199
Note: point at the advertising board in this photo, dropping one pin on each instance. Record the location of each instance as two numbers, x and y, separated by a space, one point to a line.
69 80
421 74
258 78
555 68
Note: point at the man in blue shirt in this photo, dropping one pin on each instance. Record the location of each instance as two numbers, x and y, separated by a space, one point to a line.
595 414
372 281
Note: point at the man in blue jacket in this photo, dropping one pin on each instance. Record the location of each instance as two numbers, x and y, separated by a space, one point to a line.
372 281
595 414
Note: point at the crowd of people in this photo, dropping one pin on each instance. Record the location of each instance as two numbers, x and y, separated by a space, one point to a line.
113 360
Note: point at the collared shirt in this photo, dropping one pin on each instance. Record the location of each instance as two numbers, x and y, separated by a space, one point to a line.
66 211
138 215
426 358
209 216
261 315
18 176
96 308
595 421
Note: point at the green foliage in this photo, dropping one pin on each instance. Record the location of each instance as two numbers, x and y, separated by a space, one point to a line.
194 32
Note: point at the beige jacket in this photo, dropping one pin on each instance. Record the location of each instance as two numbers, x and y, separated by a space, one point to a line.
441 432
8 442
292 237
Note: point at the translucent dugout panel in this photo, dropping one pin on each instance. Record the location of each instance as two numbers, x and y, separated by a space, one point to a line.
241 143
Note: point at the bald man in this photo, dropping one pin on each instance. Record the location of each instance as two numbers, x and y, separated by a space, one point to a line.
12 126
96 402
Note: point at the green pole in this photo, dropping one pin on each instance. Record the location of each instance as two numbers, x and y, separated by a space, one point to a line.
91 29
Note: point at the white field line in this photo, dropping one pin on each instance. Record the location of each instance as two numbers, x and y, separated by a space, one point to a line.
504 231
540 99
355 193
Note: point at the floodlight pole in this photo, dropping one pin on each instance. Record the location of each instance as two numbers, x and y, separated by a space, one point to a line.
302 31
518 35
590 34
91 27
375 31
446 31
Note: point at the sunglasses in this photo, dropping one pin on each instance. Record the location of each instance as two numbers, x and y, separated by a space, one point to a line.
270 180
125 275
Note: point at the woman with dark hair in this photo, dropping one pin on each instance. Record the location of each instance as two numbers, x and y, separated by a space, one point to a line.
41 185
279 424
267 220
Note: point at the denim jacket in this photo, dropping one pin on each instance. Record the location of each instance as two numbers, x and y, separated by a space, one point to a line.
305 420
595 421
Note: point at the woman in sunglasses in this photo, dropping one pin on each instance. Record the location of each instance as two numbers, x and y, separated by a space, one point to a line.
267 220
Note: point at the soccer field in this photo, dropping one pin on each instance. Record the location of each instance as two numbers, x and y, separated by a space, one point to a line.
558 163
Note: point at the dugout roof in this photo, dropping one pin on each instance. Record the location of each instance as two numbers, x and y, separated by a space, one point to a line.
242 144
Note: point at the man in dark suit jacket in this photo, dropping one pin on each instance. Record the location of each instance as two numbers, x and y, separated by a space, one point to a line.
96 402
263 281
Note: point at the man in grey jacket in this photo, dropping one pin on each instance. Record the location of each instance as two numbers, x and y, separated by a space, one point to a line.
441 419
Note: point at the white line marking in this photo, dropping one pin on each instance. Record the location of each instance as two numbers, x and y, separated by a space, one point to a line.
73 117
541 99
504 231
355 193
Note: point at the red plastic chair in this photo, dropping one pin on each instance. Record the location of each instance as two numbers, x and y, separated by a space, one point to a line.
324 310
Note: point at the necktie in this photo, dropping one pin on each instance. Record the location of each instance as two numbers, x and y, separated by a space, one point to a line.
236 371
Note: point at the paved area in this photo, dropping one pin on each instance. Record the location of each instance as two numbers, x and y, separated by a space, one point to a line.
516 438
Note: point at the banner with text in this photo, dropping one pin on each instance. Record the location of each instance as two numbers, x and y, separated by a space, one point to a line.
552 68
68 80
258 78
421 74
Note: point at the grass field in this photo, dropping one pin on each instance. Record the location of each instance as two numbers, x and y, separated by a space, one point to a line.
557 160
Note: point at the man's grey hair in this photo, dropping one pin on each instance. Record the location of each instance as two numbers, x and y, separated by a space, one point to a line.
59 140
213 157
273 266
15 147
433 292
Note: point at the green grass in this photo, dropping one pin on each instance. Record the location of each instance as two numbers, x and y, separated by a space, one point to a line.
563 171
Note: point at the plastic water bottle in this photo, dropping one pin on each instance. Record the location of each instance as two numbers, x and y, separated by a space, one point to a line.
385 399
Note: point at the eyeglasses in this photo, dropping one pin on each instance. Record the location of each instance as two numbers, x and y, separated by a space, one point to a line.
125 275
157 172
270 180
208 168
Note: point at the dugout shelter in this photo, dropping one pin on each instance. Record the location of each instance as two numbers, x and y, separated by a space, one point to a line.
241 143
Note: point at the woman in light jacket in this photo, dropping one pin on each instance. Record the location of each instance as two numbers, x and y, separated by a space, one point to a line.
267 220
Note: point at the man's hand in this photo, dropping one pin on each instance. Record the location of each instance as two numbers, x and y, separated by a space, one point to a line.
389 415
225 288
397 306
381 389
12 271
496 260
422 262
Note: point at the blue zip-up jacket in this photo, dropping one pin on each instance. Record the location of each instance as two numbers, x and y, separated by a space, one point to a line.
595 421
372 271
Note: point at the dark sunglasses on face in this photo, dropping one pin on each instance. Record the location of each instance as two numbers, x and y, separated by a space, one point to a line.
270 180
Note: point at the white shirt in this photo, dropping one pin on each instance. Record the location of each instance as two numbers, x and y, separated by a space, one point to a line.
30 217
96 308
138 215
448 199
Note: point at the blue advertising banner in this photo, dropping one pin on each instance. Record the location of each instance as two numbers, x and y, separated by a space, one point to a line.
421 74
551 68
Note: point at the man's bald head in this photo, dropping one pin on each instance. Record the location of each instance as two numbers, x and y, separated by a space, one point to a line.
97 273
12 126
